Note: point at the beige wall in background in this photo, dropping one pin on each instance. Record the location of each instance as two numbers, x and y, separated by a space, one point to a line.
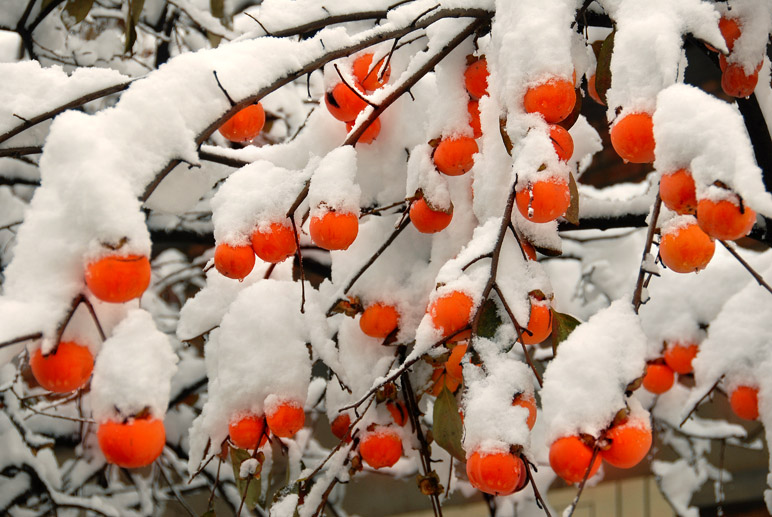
635 497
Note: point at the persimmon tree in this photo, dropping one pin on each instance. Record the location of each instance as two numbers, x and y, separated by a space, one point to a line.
392 235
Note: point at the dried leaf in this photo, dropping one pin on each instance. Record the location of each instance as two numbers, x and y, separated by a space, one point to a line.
603 70
505 136
448 429
572 212
75 11
562 326
132 18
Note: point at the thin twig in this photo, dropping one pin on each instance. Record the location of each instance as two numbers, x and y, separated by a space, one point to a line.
222 88
759 279
300 265
572 508
638 294
697 404
539 500
352 88
520 330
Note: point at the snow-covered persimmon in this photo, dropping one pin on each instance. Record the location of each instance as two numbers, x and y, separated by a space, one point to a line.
730 30
745 402
476 78
381 447
632 137
234 261
118 278
135 443
275 243
247 431
686 249
370 134
245 125
340 427
379 320
628 443
473 107
451 312
528 402
495 472
726 219
679 357
369 76
543 201
343 103
539 325
427 220
562 141
658 378
570 457
455 156
285 419
334 230
553 99
678 192
65 369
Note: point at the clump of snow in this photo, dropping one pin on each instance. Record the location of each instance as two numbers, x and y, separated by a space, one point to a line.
332 184
754 18
697 131
133 371
584 384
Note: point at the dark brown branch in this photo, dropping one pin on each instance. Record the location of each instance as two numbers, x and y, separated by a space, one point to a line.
637 295
15 152
539 501
222 160
80 101
318 63
21 339
759 279
520 330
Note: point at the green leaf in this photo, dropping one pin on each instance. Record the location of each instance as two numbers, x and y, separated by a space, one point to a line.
572 212
448 429
562 326
603 70
252 485
76 11
489 320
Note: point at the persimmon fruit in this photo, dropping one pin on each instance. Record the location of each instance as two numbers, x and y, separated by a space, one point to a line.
539 324
246 430
66 369
553 99
570 457
730 29
334 230
473 107
476 78
234 261
629 443
343 103
451 312
427 220
368 75
381 447
275 244
737 83
632 137
544 200
745 402
527 401
286 419
398 412
370 134
132 444
593 91
686 249
495 473
340 427
658 378
453 364
562 141
455 156
725 219
678 191
379 320
679 357
118 278
245 125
